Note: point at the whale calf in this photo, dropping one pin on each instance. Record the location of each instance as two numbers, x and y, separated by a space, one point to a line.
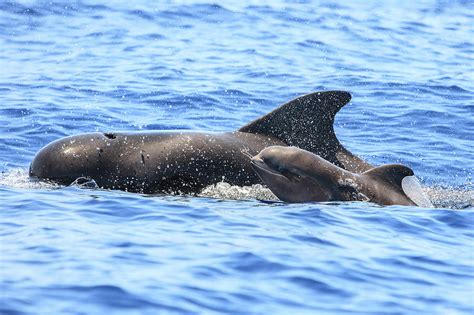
296 175
186 162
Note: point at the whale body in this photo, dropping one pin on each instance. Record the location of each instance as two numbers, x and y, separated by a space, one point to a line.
296 175
186 162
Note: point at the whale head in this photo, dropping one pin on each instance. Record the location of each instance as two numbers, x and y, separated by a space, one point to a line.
65 160
296 175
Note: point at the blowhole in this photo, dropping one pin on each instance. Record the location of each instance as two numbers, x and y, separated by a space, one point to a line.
110 135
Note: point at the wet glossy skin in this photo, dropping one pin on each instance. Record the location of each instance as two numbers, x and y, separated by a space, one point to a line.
187 162
152 162
296 175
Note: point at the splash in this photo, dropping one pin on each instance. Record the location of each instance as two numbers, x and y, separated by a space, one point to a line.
84 182
226 191
448 197
19 178
440 196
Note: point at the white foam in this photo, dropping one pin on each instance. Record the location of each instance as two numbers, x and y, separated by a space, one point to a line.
226 191
455 198
440 197
19 178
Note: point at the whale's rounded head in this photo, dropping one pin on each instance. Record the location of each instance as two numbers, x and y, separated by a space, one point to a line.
69 158
287 172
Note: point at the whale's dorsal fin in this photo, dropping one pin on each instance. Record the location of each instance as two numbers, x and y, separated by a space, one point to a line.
393 173
403 179
307 122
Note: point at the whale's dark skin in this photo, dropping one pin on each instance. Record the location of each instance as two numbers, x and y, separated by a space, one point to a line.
152 162
186 162
296 175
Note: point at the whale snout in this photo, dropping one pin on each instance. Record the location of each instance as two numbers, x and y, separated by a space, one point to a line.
55 162
262 168
256 161
66 159
41 165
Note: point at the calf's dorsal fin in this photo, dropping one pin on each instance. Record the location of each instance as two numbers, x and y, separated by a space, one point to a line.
403 178
393 173
307 123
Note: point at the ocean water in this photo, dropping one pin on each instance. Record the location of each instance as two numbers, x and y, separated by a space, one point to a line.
68 67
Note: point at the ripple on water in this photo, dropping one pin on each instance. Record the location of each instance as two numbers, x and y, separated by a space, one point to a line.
76 67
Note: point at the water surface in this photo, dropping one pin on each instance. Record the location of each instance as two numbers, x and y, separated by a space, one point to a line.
69 67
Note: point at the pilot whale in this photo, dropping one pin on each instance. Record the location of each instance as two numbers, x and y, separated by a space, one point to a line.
186 162
296 175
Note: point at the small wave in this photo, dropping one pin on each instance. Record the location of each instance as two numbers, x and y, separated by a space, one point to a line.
441 197
19 178
43 8
454 198
142 14
107 295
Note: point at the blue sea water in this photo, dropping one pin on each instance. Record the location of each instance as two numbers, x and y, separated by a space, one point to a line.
68 67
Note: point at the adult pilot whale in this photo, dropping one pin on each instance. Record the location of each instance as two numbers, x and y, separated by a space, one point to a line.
186 162
296 175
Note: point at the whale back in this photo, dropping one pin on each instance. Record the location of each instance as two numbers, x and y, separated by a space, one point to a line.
307 122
